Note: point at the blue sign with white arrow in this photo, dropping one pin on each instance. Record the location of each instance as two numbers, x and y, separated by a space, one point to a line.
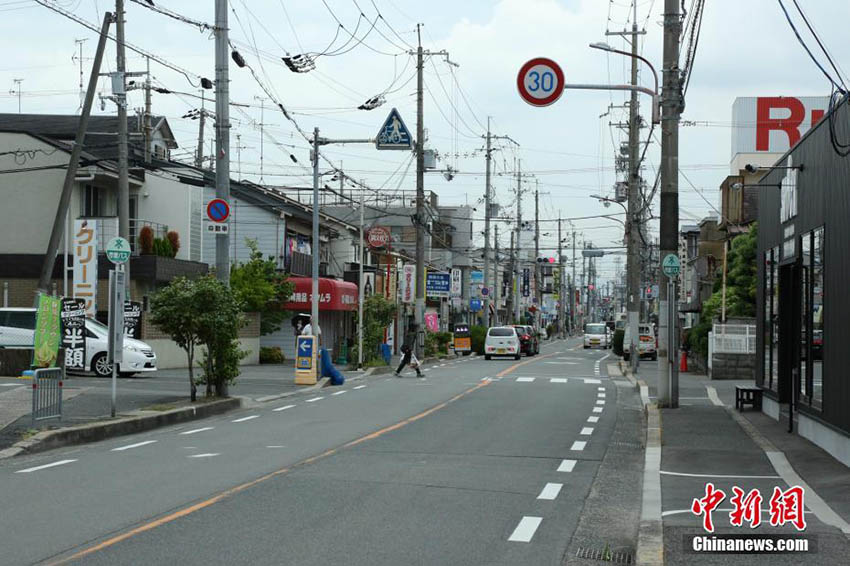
304 352
394 134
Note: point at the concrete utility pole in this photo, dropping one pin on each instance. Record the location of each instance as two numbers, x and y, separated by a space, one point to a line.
518 240
562 299
315 247
497 283
123 164
487 228
73 163
361 289
222 135
537 275
419 314
572 292
513 286
147 119
202 117
671 107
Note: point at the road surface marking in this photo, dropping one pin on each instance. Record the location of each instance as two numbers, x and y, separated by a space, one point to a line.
243 419
567 466
558 380
10 384
285 407
712 394
601 394
206 455
45 466
600 401
510 369
524 379
313 400
683 474
276 446
603 358
588 381
600 388
597 409
526 529
578 445
339 392
586 431
360 387
129 446
550 491
193 431
593 419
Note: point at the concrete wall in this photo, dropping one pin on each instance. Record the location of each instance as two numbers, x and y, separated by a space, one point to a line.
733 366
835 443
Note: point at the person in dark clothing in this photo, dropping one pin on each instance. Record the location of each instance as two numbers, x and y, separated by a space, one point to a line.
407 348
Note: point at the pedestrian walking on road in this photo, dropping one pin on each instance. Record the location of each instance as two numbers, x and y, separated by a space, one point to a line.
407 350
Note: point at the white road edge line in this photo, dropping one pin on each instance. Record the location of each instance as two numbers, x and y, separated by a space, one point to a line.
45 466
285 407
578 445
686 475
558 380
712 394
243 419
360 387
587 431
550 491
566 466
313 400
593 419
339 392
193 431
525 530
597 409
129 446
206 455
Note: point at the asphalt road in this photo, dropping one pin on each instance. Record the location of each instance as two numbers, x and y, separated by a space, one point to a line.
478 463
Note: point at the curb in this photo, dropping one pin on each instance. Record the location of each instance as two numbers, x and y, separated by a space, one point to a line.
93 432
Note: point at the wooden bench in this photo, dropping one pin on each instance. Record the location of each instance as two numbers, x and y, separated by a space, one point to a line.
745 395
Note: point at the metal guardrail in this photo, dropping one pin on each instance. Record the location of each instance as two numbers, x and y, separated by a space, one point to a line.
47 394
734 339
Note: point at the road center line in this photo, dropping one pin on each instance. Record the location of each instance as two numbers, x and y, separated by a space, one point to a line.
558 380
285 407
587 431
593 419
313 400
525 529
129 446
597 409
360 387
243 419
193 431
524 379
45 466
567 466
206 455
550 491
339 392
578 445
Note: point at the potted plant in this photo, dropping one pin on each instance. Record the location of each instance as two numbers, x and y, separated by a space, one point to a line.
146 240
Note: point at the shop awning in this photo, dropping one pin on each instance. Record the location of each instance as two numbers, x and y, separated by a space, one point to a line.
334 295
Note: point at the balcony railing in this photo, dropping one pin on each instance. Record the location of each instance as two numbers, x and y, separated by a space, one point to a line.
107 228
734 338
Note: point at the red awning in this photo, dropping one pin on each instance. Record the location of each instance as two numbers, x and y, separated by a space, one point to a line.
334 295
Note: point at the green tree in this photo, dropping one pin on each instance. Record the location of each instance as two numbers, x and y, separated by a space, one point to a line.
378 313
173 311
261 288
741 284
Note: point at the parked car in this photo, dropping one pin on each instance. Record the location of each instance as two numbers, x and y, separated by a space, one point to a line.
647 342
17 330
502 341
528 341
597 335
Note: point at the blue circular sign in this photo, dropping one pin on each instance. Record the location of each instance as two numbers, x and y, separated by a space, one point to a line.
218 210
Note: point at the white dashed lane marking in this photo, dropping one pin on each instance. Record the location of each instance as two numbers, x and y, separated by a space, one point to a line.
550 491
558 380
597 409
525 530
206 455
136 445
196 430
578 445
45 466
313 400
524 379
567 466
586 431
285 407
339 392
360 387
593 419
243 419
589 381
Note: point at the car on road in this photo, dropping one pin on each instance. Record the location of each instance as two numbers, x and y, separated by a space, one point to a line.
647 343
502 341
528 341
17 330
596 335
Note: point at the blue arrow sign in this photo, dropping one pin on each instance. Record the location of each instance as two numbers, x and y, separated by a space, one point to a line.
394 134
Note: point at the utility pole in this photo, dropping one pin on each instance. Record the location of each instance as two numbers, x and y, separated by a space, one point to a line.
518 240
199 156
537 278
562 299
79 57
360 261
73 163
671 107
487 229
497 279
572 293
17 90
419 314
123 164
513 285
222 137
262 133
148 104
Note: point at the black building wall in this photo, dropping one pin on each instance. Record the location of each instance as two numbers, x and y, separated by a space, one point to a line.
823 199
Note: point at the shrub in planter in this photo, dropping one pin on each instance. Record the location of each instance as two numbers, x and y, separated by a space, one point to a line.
146 240
478 334
162 247
174 239
271 355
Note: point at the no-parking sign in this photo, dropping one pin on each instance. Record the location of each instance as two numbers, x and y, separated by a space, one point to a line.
540 81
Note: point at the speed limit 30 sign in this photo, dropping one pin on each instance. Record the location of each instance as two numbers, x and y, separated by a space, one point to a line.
540 81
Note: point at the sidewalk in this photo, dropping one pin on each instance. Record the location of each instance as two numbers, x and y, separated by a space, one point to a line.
707 440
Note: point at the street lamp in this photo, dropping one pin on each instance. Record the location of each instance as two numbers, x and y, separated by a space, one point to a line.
605 47
606 202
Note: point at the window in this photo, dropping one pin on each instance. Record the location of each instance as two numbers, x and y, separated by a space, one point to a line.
815 320
771 319
594 329
502 332
94 201
805 367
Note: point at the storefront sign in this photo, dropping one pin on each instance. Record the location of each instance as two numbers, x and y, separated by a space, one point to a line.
408 283
334 295
73 317
85 264
788 204
432 322
780 121
132 319
437 285
476 277
457 282
47 321
379 237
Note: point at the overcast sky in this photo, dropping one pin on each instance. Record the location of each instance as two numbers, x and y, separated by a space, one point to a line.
746 48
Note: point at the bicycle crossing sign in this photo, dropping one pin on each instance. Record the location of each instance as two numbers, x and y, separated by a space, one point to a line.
394 134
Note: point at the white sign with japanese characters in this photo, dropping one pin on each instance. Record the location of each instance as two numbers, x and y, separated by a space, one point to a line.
85 264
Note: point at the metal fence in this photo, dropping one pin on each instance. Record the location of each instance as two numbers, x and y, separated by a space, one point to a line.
733 339
46 394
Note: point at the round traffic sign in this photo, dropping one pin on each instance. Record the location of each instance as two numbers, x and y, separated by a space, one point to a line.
218 210
540 81
485 291
671 266
118 250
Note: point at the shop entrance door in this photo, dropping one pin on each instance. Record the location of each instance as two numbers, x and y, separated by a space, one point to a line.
790 329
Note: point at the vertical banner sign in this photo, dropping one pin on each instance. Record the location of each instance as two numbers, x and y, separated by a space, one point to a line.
368 284
85 264
408 283
457 282
74 332
526 282
133 319
46 343
432 322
